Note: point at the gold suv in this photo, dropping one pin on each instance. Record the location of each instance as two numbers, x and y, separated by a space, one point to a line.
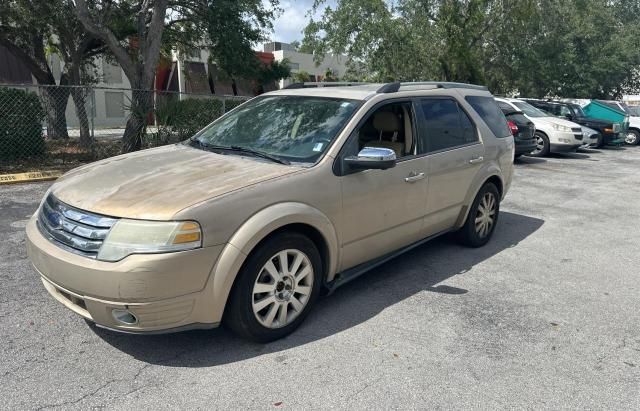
294 192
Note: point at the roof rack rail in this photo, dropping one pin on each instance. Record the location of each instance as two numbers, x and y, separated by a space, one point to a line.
389 87
395 86
311 84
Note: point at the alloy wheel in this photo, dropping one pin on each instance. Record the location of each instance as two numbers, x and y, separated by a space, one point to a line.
539 145
485 218
631 138
282 289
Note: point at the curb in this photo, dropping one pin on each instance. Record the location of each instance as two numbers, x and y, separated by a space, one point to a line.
29 177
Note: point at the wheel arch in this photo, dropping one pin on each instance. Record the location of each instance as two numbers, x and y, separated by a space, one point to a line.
494 178
266 223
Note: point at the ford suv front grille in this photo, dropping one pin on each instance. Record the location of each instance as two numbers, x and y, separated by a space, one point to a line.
71 229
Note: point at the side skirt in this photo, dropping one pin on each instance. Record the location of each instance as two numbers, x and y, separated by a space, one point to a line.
352 273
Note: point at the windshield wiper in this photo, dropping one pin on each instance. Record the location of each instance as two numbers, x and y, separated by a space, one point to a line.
261 154
256 153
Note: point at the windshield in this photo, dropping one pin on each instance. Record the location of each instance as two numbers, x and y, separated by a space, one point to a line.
292 128
578 110
634 111
531 111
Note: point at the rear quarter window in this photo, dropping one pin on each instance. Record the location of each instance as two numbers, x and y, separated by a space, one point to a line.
491 114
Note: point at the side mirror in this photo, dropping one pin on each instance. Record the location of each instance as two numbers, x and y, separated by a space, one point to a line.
372 158
568 116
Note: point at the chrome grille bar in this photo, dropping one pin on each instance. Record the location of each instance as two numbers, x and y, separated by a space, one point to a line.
72 229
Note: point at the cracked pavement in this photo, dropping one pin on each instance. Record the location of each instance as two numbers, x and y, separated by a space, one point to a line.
547 315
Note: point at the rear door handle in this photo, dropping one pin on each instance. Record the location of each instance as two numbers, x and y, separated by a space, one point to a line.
413 177
476 160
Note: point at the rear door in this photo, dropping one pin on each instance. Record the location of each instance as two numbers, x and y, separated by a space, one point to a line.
455 154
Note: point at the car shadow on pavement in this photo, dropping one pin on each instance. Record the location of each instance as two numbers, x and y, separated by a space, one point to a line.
570 156
421 269
529 160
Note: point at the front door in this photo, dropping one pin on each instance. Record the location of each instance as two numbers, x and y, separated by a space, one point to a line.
383 210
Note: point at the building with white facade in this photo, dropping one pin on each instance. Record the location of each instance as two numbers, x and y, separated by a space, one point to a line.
298 62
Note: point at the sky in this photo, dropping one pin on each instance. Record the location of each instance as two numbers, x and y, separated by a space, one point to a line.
288 26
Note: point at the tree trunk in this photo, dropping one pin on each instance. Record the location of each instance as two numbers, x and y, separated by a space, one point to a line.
79 96
54 99
141 105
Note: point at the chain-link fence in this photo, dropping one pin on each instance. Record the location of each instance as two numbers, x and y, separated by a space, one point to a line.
60 127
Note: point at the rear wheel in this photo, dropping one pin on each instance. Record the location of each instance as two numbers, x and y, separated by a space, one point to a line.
632 138
276 288
543 147
482 217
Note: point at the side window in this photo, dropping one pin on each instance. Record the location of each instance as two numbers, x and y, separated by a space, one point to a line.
389 126
446 125
488 110
564 111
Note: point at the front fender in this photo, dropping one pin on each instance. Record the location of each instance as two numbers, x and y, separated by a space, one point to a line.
249 235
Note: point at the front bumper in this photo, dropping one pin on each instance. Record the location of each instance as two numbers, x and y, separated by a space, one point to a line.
164 291
616 139
564 148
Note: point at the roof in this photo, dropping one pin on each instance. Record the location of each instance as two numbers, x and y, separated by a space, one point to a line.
364 91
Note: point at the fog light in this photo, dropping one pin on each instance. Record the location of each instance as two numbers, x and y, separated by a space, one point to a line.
124 317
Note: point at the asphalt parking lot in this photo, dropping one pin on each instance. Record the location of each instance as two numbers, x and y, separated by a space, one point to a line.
547 315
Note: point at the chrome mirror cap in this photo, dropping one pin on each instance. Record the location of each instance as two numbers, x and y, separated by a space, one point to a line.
372 158
377 154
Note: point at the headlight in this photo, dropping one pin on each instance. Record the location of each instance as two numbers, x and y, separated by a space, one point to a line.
128 237
559 127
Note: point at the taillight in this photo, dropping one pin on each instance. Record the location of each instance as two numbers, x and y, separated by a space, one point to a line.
513 127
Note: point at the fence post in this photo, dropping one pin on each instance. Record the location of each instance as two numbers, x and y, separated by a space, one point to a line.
224 105
93 113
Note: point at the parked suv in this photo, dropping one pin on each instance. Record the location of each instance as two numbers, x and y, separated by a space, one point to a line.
553 135
608 131
295 191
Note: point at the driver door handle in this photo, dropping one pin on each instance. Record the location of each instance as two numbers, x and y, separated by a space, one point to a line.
413 177
476 160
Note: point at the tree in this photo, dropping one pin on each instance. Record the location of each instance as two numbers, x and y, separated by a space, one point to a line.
228 28
138 56
31 36
577 48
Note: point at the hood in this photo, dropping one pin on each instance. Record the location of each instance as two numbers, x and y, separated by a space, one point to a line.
594 122
155 184
562 122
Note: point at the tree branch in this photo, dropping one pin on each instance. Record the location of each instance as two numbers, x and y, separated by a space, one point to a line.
106 35
41 75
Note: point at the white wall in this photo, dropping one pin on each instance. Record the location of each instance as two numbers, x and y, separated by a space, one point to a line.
305 62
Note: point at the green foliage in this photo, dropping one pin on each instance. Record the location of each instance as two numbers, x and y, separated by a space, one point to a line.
301 76
574 48
20 125
181 119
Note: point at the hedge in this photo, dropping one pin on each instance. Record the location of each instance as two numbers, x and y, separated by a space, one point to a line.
21 117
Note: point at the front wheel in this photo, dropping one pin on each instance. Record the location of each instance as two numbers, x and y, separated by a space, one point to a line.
276 288
543 147
482 218
632 138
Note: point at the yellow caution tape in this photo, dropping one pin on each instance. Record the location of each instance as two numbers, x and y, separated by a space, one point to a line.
29 177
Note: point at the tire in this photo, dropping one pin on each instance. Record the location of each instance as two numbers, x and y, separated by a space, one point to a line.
544 147
472 234
632 138
258 298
